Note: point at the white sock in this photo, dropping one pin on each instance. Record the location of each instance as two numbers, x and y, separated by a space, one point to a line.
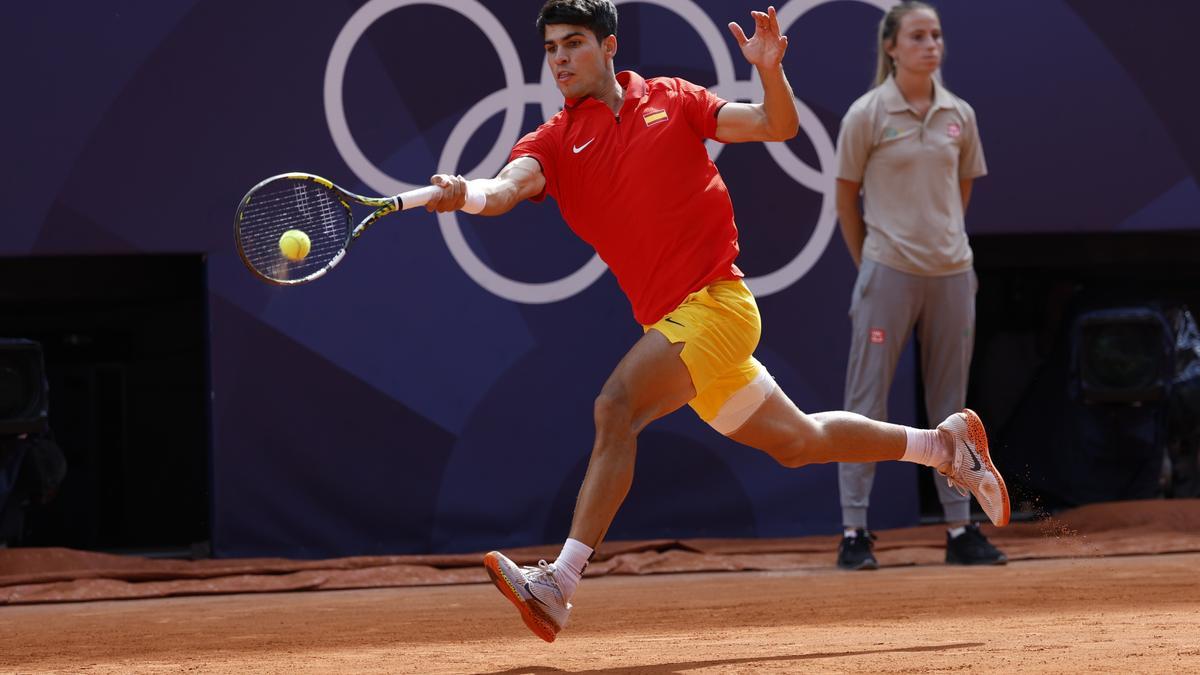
925 447
569 566
850 532
956 532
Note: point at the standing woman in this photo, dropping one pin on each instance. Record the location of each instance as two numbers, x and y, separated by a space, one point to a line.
912 149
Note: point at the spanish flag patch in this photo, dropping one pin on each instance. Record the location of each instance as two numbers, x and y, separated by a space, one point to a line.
654 116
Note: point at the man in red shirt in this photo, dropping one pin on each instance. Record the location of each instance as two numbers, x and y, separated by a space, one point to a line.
626 162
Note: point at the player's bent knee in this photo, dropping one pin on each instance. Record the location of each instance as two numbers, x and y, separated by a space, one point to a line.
801 446
744 403
793 455
611 409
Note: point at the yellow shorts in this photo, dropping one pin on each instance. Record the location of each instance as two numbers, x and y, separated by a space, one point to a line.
719 327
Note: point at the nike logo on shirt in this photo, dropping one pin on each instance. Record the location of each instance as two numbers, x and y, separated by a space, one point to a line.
579 148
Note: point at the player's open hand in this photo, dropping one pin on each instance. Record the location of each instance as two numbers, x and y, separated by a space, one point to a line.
766 47
454 193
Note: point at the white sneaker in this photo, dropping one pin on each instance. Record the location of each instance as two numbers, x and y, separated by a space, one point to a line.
533 590
972 467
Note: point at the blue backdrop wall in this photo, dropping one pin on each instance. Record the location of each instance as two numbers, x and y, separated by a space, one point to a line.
434 393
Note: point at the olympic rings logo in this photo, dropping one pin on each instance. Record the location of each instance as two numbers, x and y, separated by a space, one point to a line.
516 94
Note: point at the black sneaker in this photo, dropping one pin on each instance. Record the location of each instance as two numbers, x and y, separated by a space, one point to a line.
972 548
854 553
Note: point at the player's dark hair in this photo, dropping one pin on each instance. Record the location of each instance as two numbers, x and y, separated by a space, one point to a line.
600 16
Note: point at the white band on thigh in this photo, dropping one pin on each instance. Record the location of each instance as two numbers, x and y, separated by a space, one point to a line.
744 403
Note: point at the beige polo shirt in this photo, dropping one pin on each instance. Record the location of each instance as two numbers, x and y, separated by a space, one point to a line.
910 170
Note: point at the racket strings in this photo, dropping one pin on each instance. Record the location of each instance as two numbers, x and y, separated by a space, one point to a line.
291 204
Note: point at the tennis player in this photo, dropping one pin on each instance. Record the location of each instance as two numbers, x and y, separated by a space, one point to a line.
625 161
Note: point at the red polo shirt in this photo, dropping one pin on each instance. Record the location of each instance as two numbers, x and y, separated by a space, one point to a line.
640 188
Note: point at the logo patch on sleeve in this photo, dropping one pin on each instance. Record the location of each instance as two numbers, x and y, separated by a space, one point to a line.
654 116
878 336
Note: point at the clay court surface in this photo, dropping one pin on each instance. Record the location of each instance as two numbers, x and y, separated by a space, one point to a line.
1118 614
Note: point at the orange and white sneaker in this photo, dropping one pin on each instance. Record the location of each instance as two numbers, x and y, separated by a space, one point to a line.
534 591
972 467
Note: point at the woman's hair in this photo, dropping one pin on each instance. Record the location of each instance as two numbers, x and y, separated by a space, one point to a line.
889 26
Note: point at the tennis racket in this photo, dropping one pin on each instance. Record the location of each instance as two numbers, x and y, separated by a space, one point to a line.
274 211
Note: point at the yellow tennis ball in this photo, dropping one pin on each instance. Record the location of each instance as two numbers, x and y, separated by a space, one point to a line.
294 245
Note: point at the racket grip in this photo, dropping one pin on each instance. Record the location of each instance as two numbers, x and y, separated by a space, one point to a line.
418 197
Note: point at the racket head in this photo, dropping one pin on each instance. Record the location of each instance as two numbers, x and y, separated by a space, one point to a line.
292 201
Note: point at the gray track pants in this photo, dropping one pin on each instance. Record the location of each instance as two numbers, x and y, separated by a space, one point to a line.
885 307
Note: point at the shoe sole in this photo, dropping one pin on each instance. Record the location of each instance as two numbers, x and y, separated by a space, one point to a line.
866 565
979 437
1002 561
534 617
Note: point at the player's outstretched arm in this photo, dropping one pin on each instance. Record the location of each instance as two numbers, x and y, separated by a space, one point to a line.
774 119
521 179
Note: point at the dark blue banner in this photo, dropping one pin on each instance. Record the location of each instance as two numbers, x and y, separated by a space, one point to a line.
434 392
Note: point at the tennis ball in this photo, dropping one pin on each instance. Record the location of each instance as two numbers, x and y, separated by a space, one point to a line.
294 245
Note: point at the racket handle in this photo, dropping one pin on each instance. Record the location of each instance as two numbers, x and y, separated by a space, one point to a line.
418 197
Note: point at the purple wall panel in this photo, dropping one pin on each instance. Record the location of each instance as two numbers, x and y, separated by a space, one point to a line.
400 406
